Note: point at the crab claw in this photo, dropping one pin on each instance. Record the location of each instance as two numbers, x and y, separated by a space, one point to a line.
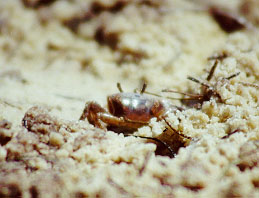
91 113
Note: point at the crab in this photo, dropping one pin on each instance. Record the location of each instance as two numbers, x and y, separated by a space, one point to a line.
127 111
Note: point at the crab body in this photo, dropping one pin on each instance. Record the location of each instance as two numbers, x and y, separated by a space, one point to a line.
126 111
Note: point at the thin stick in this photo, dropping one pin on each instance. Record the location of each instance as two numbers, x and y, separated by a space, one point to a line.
233 76
195 97
186 94
212 70
143 88
249 84
119 87
197 81
228 135
176 130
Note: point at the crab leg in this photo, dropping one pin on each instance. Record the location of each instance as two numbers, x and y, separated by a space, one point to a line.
119 121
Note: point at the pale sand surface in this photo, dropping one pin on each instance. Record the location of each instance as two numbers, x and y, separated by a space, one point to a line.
47 65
